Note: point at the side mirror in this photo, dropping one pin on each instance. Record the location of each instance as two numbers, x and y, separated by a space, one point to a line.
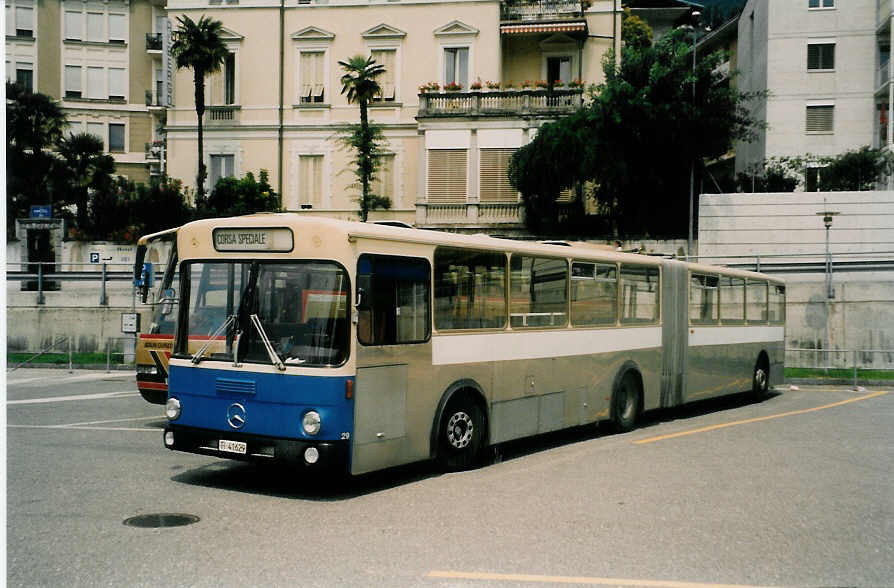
144 282
167 302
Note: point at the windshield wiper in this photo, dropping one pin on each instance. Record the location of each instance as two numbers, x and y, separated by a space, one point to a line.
274 357
197 357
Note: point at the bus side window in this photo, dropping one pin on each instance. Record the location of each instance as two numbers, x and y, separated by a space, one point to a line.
393 306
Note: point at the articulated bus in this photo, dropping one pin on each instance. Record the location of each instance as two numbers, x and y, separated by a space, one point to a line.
155 343
352 347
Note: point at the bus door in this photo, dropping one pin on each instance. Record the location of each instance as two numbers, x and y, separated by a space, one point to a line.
391 414
674 333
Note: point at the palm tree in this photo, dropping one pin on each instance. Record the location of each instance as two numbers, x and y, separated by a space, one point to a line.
84 168
198 46
359 85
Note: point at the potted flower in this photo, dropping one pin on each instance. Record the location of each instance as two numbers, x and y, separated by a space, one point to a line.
527 85
429 87
575 84
476 85
558 84
508 85
453 86
492 85
541 84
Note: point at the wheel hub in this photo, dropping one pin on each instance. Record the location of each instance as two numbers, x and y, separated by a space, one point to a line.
459 430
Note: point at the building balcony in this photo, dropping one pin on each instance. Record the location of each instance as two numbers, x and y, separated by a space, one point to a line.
222 115
540 10
503 103
469 214
153 42
153 151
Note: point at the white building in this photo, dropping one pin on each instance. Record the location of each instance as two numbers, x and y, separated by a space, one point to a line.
825 65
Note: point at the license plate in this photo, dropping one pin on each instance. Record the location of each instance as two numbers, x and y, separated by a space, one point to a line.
231 446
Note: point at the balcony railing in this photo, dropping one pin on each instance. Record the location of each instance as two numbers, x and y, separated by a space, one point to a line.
468 213
534 10
153 42
503 103
221 115
153 150
882 76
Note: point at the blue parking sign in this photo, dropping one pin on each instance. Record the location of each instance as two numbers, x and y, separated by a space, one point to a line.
94 257
41 211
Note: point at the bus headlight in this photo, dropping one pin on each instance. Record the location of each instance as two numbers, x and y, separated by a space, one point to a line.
311 422
147 369
172 409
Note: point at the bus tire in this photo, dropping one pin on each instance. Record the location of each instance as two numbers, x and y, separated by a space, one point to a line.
760 381
460 434
625 403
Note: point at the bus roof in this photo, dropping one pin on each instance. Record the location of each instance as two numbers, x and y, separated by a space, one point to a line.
146 239
353 230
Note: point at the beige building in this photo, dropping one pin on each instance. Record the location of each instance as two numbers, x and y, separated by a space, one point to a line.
826 65
97 58
277 102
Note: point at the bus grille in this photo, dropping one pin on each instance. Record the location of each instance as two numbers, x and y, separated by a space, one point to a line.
235 386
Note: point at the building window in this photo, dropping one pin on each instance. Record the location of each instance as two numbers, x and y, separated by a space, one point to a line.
821 3
821 56
230 79
73 26
310 181
24 21
558 69
222 166
116 83
456 66
116 137
25 76
383 183
97 129
820 119
388 59
96 27
117 28
447 175
95 83
72 81
311 77
494 183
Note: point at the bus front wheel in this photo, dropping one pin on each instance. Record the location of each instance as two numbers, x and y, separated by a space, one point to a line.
460 435
760 383
625 404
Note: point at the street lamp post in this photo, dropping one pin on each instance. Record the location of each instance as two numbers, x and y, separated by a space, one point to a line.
827 215
695 15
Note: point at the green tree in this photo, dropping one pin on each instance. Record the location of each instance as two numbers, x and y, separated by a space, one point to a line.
234 197
636 140
359 85
858 169
634 30
34 124
198 46
85 170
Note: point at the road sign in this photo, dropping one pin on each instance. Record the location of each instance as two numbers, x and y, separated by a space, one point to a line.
94 257
41 211
130 322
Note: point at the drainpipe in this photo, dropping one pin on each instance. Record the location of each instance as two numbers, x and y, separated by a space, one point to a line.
282 25
615 30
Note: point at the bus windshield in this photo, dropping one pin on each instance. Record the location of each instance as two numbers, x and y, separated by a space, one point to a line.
266 312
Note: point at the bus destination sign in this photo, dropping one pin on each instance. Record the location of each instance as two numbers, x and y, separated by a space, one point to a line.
253 239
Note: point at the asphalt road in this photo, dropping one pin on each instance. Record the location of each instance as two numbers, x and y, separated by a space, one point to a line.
794 491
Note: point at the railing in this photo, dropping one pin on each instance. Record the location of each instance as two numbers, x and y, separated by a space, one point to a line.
802 262
45 276
153 151
221 114
495 212
500 103
63 348
852 364
529 10
882 75
153 42
468 213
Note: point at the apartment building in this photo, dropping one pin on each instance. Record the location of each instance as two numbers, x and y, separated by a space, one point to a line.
277 104
99 59
825 64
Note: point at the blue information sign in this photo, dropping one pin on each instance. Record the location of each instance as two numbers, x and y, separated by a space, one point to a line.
41 211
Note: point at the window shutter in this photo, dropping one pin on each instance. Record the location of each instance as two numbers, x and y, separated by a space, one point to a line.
73 25
73 79
96 129
24 20
95 28
385 178
95 83
820 119
116 83
447 175
813 60
310 168
117 27
494 180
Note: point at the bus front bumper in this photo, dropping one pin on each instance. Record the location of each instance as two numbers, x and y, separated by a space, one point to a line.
315 456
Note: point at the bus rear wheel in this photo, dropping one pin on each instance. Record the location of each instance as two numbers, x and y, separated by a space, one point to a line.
460 435
625 404
760 383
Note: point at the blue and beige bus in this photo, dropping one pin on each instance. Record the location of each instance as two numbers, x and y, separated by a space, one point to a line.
352 347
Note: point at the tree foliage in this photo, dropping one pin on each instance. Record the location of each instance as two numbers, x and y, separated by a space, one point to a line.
198 46
84 170
360 86
635 142
635 31
237 196
854 170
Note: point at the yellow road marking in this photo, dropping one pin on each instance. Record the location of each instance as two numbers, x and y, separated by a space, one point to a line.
589 581
758 419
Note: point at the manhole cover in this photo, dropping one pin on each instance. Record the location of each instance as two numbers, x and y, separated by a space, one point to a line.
162 519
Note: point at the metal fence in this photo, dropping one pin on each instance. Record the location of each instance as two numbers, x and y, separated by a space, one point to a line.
42 277
856 364
115 347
